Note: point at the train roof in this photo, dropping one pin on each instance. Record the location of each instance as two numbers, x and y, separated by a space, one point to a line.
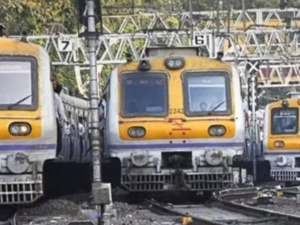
279 103
168 51
17 47
191 63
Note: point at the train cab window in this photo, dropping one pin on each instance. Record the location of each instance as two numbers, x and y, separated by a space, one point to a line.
284 121
144 94
206 93
18 83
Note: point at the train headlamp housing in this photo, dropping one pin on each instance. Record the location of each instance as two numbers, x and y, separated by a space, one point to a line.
174 63
18 163
20 129
298 101
278 144
214 157
139 158
216 130
136 132
144 65
281 160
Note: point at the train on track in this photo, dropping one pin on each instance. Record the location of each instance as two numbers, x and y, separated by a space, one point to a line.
175 122
281 139
27 120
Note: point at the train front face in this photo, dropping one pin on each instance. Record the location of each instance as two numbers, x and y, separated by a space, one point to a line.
281 142
27 121
176 129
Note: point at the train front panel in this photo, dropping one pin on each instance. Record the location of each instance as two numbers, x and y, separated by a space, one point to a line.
281 142
27 121
176 128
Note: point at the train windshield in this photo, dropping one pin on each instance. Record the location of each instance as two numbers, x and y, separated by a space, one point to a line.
144 94
17 83
285 121
207 93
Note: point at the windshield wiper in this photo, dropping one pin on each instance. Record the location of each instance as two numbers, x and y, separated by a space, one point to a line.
214 109
18 102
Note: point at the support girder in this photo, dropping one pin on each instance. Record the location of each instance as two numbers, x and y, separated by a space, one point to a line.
204 20
278 48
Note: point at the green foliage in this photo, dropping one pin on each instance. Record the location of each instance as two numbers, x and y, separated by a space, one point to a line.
36 17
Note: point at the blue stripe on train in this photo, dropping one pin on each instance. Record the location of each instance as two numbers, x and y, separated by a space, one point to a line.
186 145
27 147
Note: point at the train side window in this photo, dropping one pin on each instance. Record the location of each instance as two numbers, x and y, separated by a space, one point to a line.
284 121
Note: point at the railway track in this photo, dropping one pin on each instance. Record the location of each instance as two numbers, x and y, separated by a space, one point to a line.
223 212
254 191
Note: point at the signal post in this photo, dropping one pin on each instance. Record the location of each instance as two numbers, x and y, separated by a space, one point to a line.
253 107
101 192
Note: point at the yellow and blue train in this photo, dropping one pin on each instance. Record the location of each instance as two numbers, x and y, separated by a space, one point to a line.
281 139
27 120
175 122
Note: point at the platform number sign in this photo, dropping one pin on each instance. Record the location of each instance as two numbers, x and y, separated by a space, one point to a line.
200 40
65 44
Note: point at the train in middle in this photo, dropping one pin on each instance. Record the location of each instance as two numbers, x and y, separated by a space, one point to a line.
175 122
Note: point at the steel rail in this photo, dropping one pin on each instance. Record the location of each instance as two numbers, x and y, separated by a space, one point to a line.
254 211
159 207
249 192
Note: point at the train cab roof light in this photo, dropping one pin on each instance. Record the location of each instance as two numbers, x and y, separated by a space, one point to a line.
24 37
174 62
285 104
2 30
129 57
144 65
220 56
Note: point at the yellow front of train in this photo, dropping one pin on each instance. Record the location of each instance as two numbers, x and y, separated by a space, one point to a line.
281 142
175 123
27 120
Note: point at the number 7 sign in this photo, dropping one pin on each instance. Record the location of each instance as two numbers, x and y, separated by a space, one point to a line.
65 45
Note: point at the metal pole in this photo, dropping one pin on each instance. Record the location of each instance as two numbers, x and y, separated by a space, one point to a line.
253 130
218 17
94 99
192 21
228 15
244 14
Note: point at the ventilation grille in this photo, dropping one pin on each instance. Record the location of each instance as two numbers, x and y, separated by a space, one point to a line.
191 182
20 192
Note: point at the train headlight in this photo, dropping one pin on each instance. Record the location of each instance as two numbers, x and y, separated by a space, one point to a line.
139 158
281 160
17 163
20 129
285 104
174 63
216 130
137 132
278 144
214 157
144 65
